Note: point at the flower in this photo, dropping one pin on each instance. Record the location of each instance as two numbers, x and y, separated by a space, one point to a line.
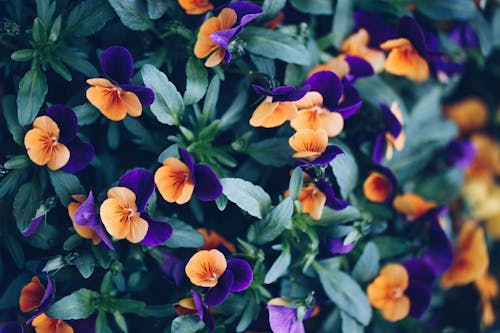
349 67
196 7
469 114
124 212
203 312
337 245
283 318
408 53
53 141
470 258
83 231
376 26
117 98
379 186
277 107
412 205
36 297
178 179
460 152
357 45
393 135
487 287
312 147
205 268
216 32
312 200
45 324
214 240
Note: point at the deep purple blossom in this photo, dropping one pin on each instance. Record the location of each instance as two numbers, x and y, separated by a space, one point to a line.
284 319
376 26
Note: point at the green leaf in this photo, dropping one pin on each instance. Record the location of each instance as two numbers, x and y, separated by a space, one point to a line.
249 197
342 21
120 322
12 181
39 31
56 29
211 98
184 235
17 162
65 185
79 305
168 106
78 61
132 13
86 113
441 187
15 250
296 183
345 169
367 266
389 246
88 17
156 8
316 7
273 224
196 81
271 9
249 315
187 324
484 32
26 203
10 114
32 91
274 151
157 311
10 297
85 263
447 10
125 305
349 324
60 69
233 113
495 27
375 91
345 293
280 266
101 323
45 10
274 44
22 55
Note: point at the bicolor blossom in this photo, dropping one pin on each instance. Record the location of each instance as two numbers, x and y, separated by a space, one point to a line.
408 54
36 298
83 231
283 318
380 185
392 137
53 141
277 106
412 205
46 324
338 245
357 45
115 97
124 213
179 179
217 32
312 147
346 66
196 7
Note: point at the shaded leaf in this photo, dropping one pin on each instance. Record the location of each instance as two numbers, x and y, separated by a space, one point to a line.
32 91
273 224
132 13
249 197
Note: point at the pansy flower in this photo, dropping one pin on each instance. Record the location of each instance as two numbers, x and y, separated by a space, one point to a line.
377 27
83 231
35 297
312 147
277 106
284 318
357 45
460 152
46 324
392 136
412 205
338 245
217 32
178 179
469 114
124 213
53 141
213 240
380 185
470 260
408 54
116 97
348 67
195 7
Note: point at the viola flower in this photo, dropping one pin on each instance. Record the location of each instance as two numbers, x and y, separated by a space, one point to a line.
171 266
460 152
214 240
45 324
82 231
357 45
470 114
412 206
178 179
116 97
312 147
203 312
196 7
379 186
206 267
124 212
348 67
377 27
439 253
277 107
408 54
36 297
284 318
185 307
393 135
470 260
217 32
53 141
464 35
487 286
421 278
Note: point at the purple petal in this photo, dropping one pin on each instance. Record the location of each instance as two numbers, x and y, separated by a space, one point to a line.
392 124
223 38
359 67
351 102
216 295
33 226
379 148
376 25
242 273
141 182
245 11
460 153
158 231
445 69
431 214
99 229
208 186
146 96
117 63
326 157
332 200
172 267
464 35
336 246
284 320
198 303
86 215
282 93
187 159
328 85
439 253
12 327
46 301
420 286
66 120
83 325
409 28
81 154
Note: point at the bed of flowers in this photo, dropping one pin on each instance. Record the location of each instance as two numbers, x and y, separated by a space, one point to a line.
249 166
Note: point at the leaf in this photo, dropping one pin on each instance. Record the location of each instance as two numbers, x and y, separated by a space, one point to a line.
389 246
168 105
26 203
88 17
273 44
184 235
279 267
345 293
101 323
187 324
331 217
374 90
249 197
442 187
316 7
32 91
345 169
125 305
250 313
484 32
367 266
156 8
10 297
196 81
349 324
10 114
65 185
342 21
211 98
86 113
495 27
120 322
271 9
274 151
79 305
132 13
446 10
273 224
233 113
296 182
85 263
157 311
15 250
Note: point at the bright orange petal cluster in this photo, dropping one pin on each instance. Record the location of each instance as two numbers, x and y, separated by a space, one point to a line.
205 268
45 324
31 295
81 230
357 45
337 65
174 181
309 144
412 205
271 114
377 187
404 60
195 7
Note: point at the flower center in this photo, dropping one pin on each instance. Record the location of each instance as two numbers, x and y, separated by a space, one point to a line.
397 293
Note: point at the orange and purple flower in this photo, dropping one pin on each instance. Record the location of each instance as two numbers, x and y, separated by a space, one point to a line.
53 141
392 136
117 98
460 152
284 318
351 67
312 147
380 185
124 213
178 179
195 7
217 32
35 297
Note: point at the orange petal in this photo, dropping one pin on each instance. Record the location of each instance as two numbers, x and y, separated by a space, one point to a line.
395 43
336 65
357 40
204 44
377 187
38 146
271 115
114 102
59 158
376 59
227 18
307 142
31 295
397 309
195 7
216 57
469 114
397 274
316 118
310 100
312 200
412 205
205 267
99 82
45 324
125 195
114 218
406 61
213 240
138 229
174 181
